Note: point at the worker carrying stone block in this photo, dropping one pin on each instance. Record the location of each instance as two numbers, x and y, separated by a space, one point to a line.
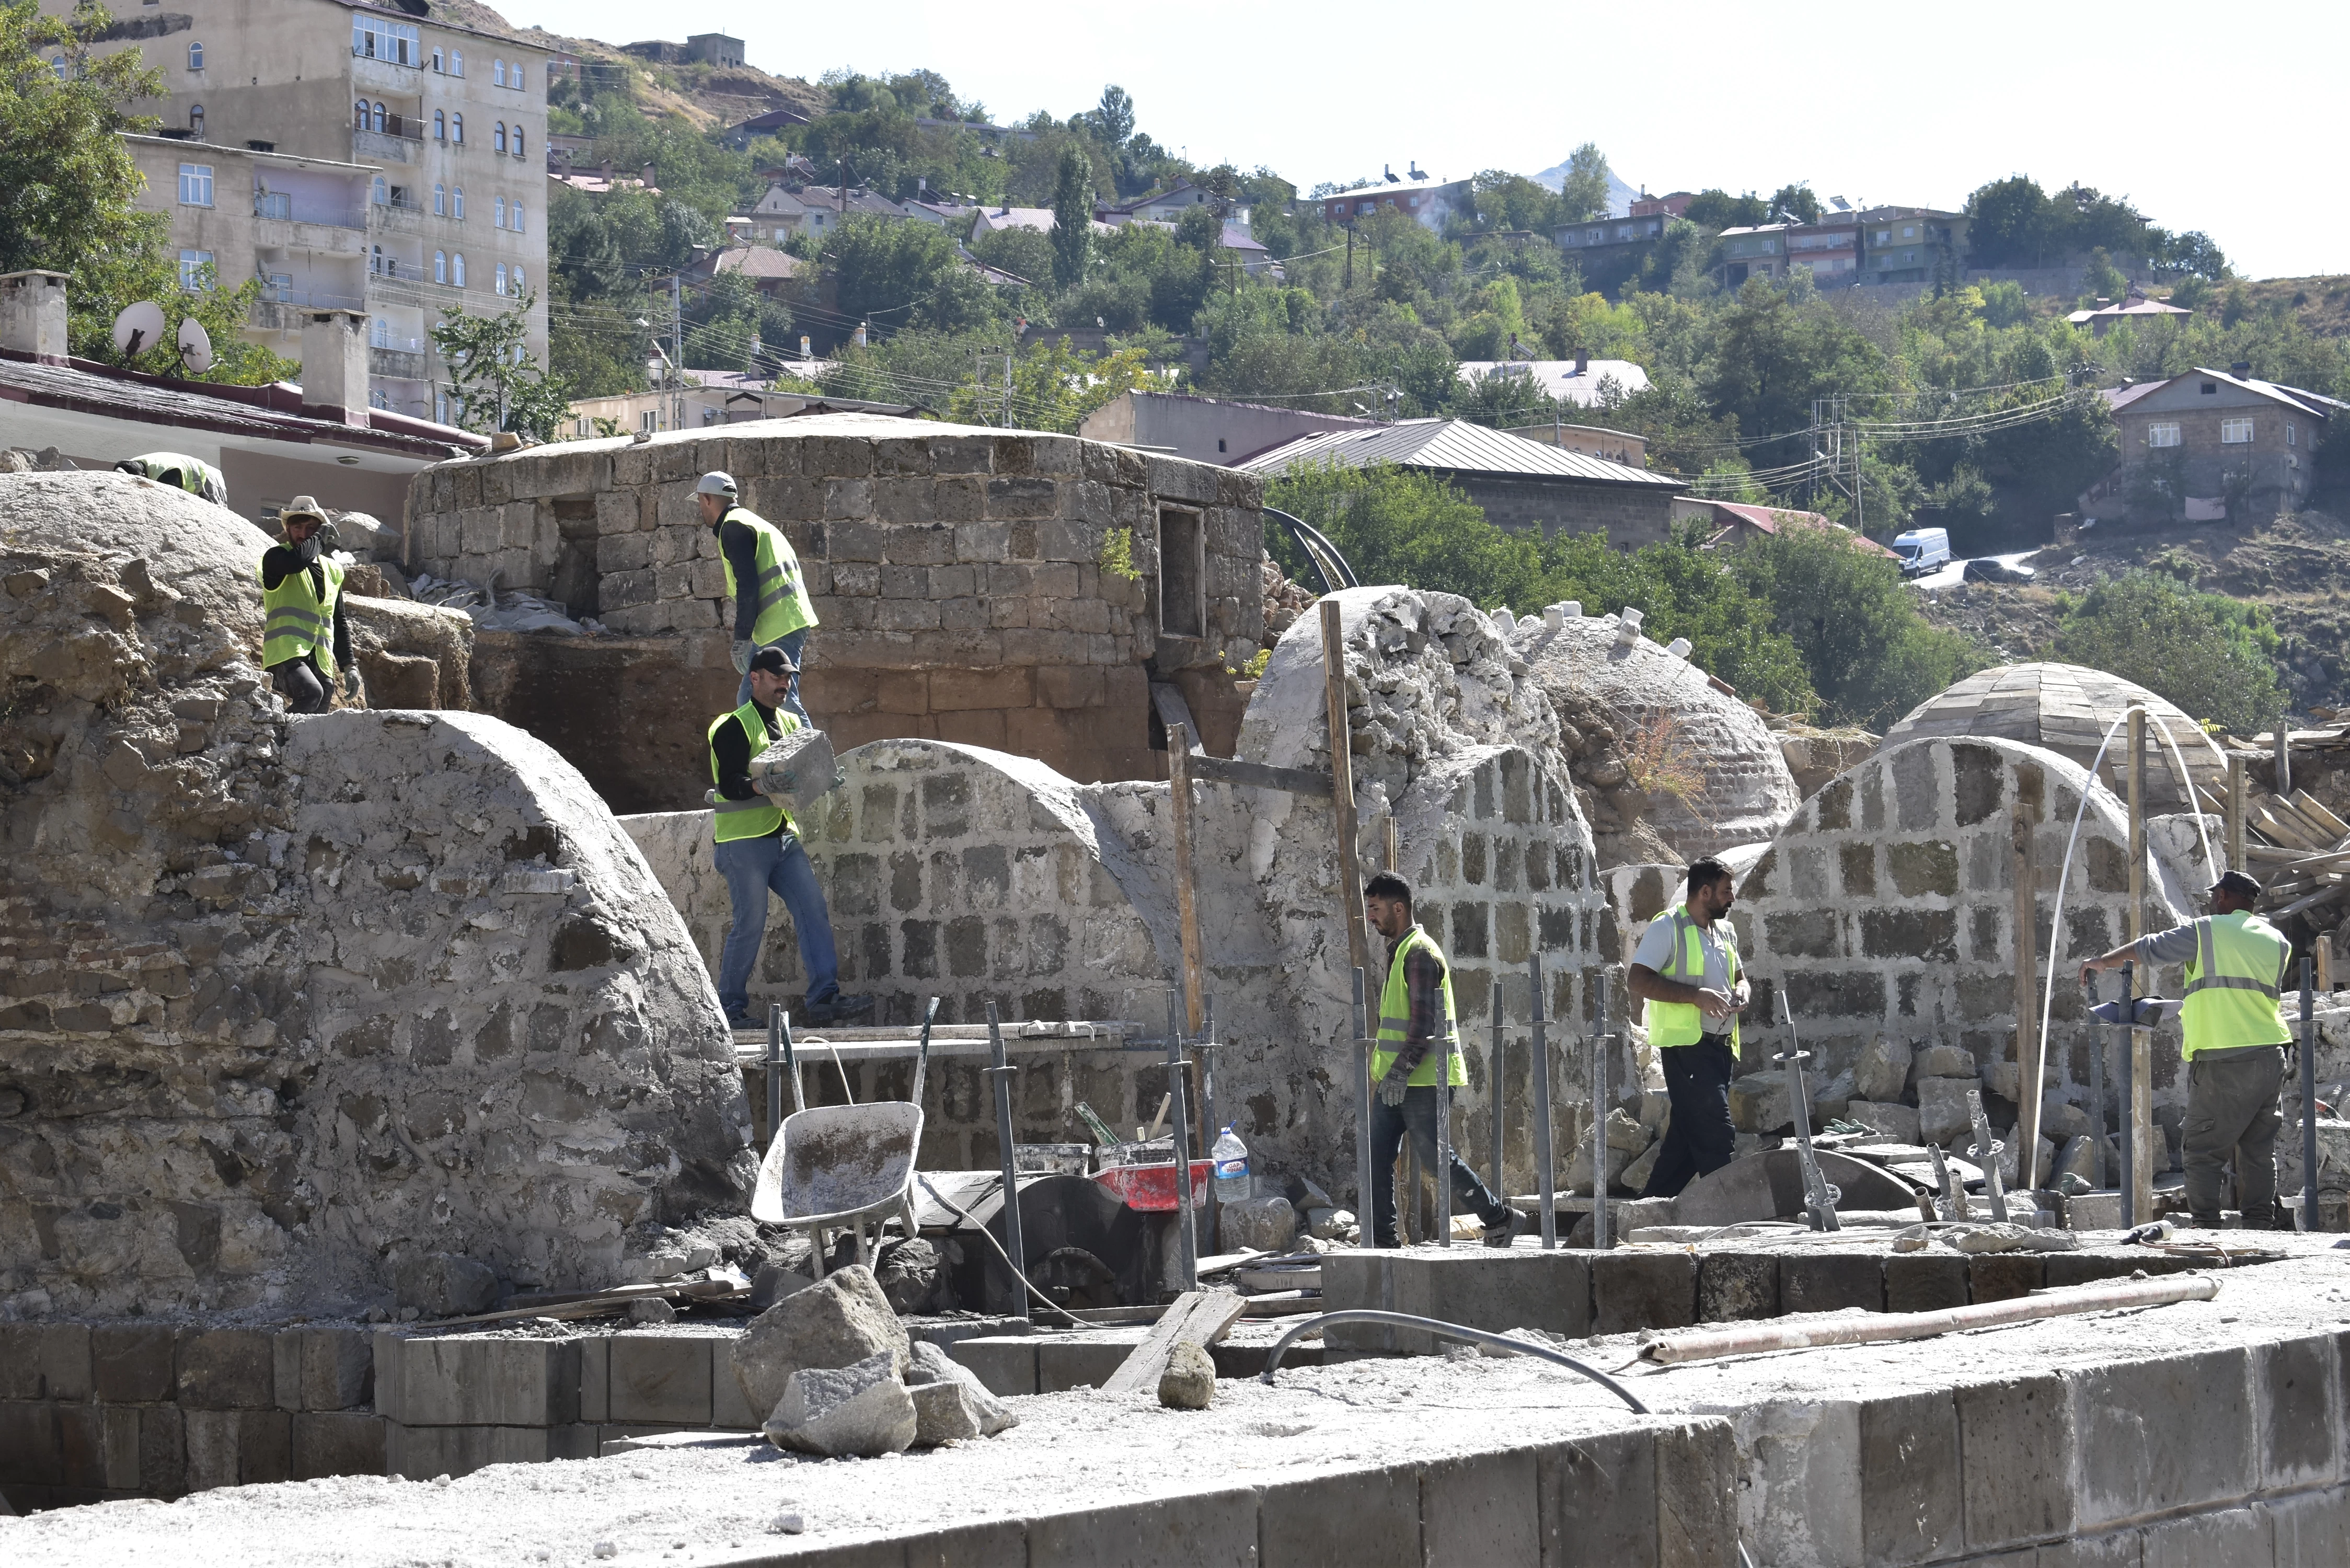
305 640
1686 974
180 471
774 612
758 850
1418 1037
2233 1017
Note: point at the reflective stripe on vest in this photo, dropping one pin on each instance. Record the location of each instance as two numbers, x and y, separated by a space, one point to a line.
783 601
2233 996
297 623
1683 1022
1395 1019
757 816
189 473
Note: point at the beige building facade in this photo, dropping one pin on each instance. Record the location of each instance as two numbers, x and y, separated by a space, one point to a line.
447 123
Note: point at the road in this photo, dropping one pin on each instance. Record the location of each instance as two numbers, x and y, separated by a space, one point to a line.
1954 574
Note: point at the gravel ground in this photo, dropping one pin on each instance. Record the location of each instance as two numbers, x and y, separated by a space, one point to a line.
714 1504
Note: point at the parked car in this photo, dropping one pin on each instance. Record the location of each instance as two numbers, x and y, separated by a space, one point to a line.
1922 550
1989 569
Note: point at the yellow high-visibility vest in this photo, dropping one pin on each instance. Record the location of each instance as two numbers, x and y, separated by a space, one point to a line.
1683 1022
2233 995
1395 1017
783 598
757 816
297 621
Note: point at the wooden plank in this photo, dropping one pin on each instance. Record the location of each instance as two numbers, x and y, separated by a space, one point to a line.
2319 836
2309 806
2283 830
1168 701
2029 1071
1196 1317
1342 787
1224 770
1187 907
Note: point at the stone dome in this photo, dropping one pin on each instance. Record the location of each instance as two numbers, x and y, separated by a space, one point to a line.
1714 775
2067 708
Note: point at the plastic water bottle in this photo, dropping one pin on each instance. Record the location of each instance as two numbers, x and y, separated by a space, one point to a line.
1231 1167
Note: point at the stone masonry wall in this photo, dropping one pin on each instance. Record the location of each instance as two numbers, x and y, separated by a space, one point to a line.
288 1003
1887 907
964 580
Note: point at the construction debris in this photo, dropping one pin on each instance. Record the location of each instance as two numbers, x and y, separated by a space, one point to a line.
1189 1382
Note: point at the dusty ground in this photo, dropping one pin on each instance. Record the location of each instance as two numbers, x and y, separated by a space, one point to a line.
713 1505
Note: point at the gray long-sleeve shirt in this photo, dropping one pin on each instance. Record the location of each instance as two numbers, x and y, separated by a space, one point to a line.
2178 944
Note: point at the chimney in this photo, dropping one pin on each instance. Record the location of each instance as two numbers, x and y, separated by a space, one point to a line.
334 366
2242 367
1582 361
33 314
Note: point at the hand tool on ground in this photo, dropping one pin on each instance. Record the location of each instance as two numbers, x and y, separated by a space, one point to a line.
1819 1198
1987 1157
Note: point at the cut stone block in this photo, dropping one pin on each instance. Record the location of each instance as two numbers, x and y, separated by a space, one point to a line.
44 1361
2139 1457
1818 1280
1943 1111
336 1369
226 1369
2001 1078
1945 1062
1924 1282
1895 1120
2060 1120
1882 1073
2018 1437
1910 1494
1759 1103
660 1377
1642 1290
1736 1286
2004 1276
132 1363
337 1443
1266 1224
860 1409
467 1382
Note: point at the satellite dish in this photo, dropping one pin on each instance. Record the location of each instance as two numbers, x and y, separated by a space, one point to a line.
196 346
139 328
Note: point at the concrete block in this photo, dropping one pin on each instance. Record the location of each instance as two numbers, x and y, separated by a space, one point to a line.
1910 1494
420 1453
1369 1516
2120 1549
2297 1396
1598 1499
131 1363
461 1382
1799 1459
387 1345
1819 1280
997 1543
1697 1495
1197 1530
285 1367
44 1361
336 1369
226 1369
661 1378
162 1451
29 1451
1735 1286
2019 1438
338 1443
121 1436
595 1378
1357 1279
729 1408
2312 1529
1485 1508
2002 1276
238 1447
1063 1365
2231 1538
1006 1365
1924 1282
2162 1435
1642 1290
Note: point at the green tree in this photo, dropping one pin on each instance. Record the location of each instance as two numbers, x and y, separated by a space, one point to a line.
67 182
1073 217
1053 386
895 273
1794 204
1113 118
1401 525
2213 656
499 384
1717 209
2011 224
1583 191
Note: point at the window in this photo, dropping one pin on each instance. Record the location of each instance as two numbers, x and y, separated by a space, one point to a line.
457 133
440 125
1884 237
2211 389
517 281
457 202
645 417
2235 432
498 72
2291 433
457 269
501 279
498 138
1182 575
360 114
1362 207
441 408
514 80
195 184
196 119
498 213
440 267
456 62
436 59
382 119
192 263
2162 435
376 39
279 286
57 64
1908 230
195 57
440 201
514 217
517 142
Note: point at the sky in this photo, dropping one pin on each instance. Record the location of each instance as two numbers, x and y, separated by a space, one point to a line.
2205 120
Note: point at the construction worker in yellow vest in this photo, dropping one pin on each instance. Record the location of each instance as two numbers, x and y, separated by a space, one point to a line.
759 851
305 642
1418 1037
1686 974
763 579
180 471
2234 1024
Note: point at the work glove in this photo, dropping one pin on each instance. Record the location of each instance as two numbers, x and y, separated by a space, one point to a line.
743 648
1391 1089
354 688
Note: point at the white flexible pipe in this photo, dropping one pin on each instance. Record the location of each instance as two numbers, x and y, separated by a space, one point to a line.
2187 790
2057 918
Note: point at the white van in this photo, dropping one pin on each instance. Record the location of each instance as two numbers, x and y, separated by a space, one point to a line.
1922 550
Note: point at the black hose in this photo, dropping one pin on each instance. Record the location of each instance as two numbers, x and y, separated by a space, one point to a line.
1449 1331
1335 571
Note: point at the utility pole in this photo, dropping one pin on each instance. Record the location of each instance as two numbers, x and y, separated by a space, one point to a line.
1350 255
677 357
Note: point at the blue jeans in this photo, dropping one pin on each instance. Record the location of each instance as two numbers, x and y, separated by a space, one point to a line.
753 868
791 642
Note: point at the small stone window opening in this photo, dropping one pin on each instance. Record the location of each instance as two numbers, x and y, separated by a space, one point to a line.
1182 574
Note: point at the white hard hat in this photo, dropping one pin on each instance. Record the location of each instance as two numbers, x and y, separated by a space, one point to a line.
715 484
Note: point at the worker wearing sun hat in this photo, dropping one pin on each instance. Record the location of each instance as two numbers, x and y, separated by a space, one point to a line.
305 640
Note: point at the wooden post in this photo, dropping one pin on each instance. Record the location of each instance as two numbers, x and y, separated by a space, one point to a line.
2323 951
1187 911
2235 810
1394 849
2139 1105
2028 1070
1342 789
2283 757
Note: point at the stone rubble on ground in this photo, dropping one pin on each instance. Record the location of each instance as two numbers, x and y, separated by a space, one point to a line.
1263 1224
860 1409
1189 1381
841 1320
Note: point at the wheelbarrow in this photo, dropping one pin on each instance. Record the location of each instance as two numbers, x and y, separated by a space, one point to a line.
835 1167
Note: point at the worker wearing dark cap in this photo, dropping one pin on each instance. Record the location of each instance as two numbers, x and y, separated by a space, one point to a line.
2234 1023
181 472
759 851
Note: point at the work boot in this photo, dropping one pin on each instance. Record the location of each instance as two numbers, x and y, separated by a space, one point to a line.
1503 1231
839 1009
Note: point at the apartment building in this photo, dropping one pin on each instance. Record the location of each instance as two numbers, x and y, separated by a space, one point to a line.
289 105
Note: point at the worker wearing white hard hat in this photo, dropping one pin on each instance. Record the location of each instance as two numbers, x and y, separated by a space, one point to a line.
763 579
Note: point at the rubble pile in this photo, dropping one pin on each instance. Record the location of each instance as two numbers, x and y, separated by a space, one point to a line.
1284 601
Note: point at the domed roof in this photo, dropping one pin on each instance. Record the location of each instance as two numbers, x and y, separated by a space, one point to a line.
1668 758
2067 708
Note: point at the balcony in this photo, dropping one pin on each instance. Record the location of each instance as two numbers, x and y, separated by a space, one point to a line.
399 215
396 364
400 140
284 313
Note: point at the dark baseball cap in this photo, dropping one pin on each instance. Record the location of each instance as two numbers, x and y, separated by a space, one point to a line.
773 660
2239 883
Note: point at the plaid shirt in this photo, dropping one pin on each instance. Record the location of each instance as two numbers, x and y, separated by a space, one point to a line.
1423 979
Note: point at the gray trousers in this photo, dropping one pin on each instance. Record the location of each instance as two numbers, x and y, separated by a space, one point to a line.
2231 1105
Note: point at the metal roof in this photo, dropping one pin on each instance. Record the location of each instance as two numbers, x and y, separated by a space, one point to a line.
1454 446
1560 379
